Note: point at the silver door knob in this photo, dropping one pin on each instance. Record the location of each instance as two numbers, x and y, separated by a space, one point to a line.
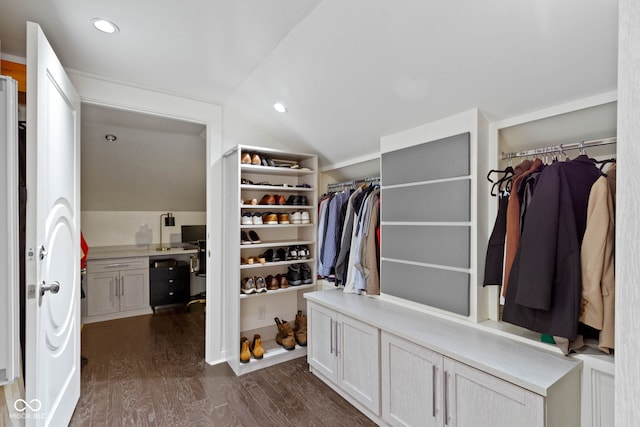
53 287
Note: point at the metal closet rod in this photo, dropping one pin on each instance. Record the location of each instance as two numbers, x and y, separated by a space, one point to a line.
560 148
354 182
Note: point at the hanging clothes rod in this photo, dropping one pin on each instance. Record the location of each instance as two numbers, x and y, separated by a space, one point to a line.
346 184
582 145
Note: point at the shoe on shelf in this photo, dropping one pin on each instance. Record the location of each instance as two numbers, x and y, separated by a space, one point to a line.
292 200
244 181
303 186
292 253
285 335
256 347
300 329
303 252
245 159
295 218
272 283
305 272
293 275
253 236
256 160
280 200
269 218
283 218
268 255
281 254
261 285
257 218
268 199
244 238
303 200
245 354
271 163
247 219
248 286
283 283
304 217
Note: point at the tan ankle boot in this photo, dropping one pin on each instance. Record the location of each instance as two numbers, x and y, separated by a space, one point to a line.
245 354
301 329
285 335
256 348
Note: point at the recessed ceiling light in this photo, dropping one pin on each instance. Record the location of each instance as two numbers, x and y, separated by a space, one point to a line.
111 137
105 26
280 108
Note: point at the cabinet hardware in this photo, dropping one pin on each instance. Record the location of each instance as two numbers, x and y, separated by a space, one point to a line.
117 265
337 339
121 286
434 372
331 335
446 397
117 286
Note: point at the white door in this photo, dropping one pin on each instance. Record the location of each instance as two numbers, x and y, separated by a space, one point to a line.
52 368
321 350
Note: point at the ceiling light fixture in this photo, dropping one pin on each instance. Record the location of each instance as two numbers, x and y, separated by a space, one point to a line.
110 137
279 107
105 26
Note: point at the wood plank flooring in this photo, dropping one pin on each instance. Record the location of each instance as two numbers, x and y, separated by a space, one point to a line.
150 371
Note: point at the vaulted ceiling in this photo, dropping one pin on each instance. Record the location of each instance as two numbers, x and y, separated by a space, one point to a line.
348 71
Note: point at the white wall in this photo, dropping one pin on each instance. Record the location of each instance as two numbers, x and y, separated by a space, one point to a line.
117 228
627 371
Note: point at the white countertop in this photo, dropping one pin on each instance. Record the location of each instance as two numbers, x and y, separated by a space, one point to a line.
527 366
129 251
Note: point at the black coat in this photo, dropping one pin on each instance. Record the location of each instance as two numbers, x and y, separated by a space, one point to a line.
545 284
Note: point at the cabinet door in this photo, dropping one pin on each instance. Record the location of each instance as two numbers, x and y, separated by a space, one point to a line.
359 367
102 295
322 341
411 383
477 399
134 289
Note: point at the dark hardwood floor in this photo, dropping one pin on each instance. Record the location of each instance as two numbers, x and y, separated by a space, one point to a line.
150 371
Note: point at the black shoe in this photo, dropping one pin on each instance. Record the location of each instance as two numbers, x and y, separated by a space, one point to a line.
305 272
293 276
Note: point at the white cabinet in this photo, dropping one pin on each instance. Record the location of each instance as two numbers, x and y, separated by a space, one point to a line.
285 183
411 383
346 351
117 288
434 371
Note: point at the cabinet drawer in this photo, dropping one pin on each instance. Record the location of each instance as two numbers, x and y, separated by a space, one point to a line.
163 286
169 297
166 273
117 264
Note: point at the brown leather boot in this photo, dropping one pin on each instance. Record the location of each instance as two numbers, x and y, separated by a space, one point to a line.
256 347
301 329
285 335
245 354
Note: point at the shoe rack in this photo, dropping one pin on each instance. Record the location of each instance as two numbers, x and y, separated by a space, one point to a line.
288 177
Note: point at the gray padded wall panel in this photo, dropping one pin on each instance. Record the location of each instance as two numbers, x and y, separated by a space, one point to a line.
443 201
444 289
444 158
442 245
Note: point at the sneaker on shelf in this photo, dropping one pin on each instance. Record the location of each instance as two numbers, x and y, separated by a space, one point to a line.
261 285
293 275
269 218
247 219
283 218
303 252
292 253
253 236
248 286
295 218
244 238
281 253
303 200
305 273
257 218
305 218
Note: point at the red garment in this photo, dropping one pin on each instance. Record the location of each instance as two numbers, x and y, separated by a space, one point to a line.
84 251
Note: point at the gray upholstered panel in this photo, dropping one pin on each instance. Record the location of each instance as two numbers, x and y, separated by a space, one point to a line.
428 244
447 290
443 158
443 201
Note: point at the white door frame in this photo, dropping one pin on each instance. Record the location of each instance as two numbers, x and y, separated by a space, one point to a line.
97 91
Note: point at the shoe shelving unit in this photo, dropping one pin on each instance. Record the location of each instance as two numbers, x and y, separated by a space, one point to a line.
249 314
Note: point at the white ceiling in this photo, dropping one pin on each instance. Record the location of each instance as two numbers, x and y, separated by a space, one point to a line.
349 71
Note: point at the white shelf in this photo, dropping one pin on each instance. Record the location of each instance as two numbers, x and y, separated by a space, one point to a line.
277 207
270 170
275 226
273 355
278 291
277 243
275 264
274 187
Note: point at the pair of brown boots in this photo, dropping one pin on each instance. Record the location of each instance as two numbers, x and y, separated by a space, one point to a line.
288 337
248 349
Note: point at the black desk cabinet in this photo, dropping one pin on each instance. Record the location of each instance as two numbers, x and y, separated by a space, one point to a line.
168 283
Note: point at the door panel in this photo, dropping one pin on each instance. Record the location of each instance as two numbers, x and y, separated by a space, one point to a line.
53 237
101 293
134 289
322 342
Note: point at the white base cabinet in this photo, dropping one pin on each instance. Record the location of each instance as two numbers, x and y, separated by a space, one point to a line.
402 367
117 288
346 352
